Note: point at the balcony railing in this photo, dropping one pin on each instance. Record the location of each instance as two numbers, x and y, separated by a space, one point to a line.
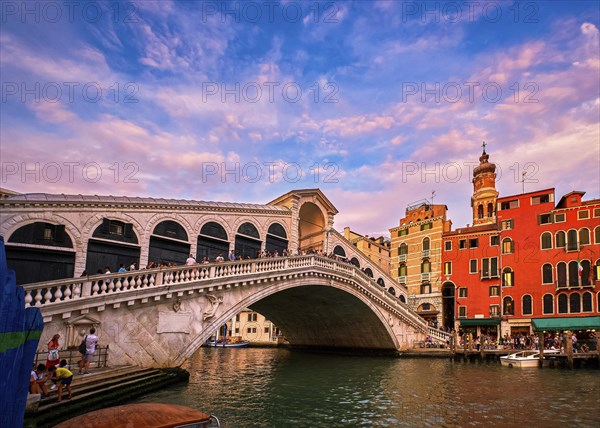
402 279
425 253
580 284
425 276
402 258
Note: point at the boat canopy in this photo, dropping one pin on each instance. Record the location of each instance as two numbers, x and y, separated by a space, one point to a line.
575 323
472 322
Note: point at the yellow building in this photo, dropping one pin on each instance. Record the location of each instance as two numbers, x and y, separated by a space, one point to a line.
376 249
252 326
416 257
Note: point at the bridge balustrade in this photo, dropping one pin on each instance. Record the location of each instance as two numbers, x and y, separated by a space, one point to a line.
53 293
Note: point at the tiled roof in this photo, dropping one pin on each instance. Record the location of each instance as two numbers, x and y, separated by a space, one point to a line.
62 198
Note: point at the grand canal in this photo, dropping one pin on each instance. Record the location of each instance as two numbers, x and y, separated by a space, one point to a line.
257 387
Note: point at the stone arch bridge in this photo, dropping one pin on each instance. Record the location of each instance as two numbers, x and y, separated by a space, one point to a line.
160 317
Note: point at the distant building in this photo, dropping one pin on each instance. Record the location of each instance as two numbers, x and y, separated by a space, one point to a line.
376 249
416 259
5 193
252 326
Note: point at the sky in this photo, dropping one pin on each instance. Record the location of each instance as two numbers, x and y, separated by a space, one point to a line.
377 103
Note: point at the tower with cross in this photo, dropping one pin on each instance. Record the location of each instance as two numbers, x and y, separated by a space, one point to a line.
483 200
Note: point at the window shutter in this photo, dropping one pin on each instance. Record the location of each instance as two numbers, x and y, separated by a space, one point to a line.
59 233
105 228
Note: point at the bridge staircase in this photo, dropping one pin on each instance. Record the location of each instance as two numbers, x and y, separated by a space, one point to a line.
101 388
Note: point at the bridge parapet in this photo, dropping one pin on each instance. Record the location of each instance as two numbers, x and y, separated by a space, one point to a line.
64 296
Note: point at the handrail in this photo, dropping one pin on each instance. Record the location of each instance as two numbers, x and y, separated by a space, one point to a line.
376 267
50 293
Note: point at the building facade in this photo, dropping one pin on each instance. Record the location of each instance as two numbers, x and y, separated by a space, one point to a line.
416 258
376 249
525 257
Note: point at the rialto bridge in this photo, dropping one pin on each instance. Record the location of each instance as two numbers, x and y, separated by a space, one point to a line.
160 316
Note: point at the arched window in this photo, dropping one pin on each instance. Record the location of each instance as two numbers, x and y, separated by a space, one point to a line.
584 236
380 282
508 246
572 244
369 272
546 241
490 210
425 266
547 277
426 244
527 306
587 302
402 270
561 270
597 235
573 273
561 239
402 298
339 251
548 304
586 272
509 307
575 303
392 291
403 249
597 271
563 302
480 211
355 262
508 277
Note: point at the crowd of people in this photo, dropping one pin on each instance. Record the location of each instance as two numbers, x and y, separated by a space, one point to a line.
220 258
521 341
57 371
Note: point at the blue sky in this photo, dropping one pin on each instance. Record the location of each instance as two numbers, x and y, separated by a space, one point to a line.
377 103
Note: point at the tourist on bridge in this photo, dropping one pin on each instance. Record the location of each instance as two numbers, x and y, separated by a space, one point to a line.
122 268
37 382
91 340
65 376
231 256
53 357
191 261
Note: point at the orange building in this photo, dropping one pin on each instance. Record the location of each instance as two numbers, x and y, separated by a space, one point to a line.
376 249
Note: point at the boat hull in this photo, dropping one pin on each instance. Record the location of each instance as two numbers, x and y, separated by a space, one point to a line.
241 344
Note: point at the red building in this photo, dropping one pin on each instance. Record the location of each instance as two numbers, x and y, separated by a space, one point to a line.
524 261
550 257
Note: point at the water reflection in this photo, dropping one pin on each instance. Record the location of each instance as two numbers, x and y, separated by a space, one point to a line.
281 388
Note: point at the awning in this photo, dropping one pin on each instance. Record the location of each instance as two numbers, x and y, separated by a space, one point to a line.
425 313
479 321
575 323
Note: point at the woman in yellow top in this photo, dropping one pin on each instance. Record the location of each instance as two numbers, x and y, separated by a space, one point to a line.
65 376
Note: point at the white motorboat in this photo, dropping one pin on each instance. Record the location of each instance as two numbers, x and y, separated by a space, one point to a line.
524 359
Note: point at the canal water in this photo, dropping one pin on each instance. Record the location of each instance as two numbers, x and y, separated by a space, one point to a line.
259 387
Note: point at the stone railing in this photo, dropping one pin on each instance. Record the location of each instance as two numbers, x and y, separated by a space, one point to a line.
377 271
150 281
440 335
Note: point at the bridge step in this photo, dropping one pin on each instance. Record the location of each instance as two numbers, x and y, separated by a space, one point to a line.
103 388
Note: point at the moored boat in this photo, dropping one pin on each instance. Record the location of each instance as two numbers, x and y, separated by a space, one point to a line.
524 359
219 344
151 415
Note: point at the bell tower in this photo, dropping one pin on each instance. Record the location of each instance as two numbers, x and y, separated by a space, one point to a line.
483 200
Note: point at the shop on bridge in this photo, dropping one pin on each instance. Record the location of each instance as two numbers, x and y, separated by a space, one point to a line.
247 241
212 242
112 243
40 252
169 243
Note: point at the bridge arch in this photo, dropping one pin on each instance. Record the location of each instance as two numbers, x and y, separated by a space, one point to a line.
332 314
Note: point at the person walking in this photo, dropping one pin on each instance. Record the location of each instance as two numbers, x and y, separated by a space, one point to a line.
91 341
53 356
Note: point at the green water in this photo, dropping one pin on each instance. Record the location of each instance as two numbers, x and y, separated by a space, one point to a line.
282 388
